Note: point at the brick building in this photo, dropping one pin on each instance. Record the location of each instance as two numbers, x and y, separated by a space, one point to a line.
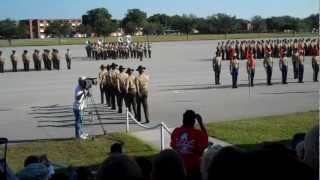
36 27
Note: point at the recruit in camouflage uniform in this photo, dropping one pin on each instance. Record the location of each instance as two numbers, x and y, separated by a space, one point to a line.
142 84
14 61
131 91
216 65
25 60
121 87
1 63
68 57
113 91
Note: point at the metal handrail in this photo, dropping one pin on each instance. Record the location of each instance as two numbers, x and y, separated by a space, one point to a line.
162 125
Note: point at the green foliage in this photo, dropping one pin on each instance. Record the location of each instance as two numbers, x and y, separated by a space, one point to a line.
100 21
10 30
133 20
162 19
58 28
259 24
85 29
151 28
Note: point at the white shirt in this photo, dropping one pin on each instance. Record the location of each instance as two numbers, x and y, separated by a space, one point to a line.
79 104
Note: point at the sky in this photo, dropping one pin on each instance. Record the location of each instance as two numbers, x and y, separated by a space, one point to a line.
246 9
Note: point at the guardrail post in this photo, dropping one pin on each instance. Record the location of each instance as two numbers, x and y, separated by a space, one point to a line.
127 120
162 136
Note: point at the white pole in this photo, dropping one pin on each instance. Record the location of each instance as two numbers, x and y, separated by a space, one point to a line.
127 120
162 136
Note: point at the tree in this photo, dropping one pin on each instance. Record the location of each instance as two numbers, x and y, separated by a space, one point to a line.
259 24
133 20
106 27
162 19
84 29
10 30
150 28
309 23
59 29
185 23
100 21
225 22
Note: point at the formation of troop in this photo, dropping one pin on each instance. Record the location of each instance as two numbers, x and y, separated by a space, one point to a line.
268 50
118 50
49 60
119 84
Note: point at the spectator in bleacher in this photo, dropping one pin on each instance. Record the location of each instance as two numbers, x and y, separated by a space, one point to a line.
226 164
308 150
34 171
273 161
207 157
31 159
119 167
83 173
190 143
145 165
44 160
116 148
168 165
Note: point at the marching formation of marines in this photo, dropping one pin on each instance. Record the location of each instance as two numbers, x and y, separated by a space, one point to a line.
49 60
118 85
118 50
268 50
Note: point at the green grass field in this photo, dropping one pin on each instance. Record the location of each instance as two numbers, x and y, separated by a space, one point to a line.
249 133
161 38
246 133
77 153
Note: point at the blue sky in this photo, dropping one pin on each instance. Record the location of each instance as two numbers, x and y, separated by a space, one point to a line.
23 9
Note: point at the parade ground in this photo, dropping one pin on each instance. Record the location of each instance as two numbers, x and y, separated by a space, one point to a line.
38 105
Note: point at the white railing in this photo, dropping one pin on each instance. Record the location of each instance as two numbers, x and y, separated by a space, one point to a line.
163 127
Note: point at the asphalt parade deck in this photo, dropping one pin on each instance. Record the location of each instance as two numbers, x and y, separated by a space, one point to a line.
37 105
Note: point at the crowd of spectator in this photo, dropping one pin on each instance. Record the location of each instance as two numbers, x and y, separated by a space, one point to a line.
192 158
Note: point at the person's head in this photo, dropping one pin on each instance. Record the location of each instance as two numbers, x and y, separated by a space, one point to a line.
44 159
121 68
0 53
101 67
13 51
83 173
114 66
189 118
108 67
130 71
119 167
228 163
141 69
145 165
116 148
297 138
35 171
31 160
275 161
82 82
168 164
68 50
311 148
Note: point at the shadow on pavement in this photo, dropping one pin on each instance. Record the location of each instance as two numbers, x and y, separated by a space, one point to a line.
191 87
61 116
